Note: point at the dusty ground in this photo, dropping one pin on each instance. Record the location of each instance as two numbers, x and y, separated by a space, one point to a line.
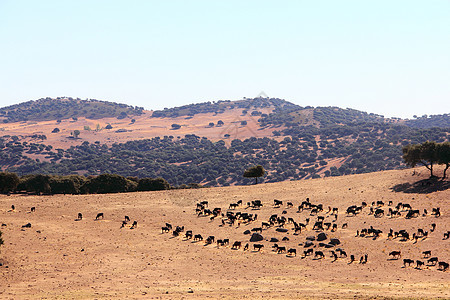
59 257
145 127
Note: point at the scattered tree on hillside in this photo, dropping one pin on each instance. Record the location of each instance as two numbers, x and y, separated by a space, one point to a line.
211 124
150 184
176 126
243 123
56 130
108 126
255 171
76 133
220 123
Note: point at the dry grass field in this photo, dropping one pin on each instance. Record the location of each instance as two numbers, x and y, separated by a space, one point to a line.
145 127
61 258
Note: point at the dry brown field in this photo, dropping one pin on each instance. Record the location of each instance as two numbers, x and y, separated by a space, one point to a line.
145 127
61 258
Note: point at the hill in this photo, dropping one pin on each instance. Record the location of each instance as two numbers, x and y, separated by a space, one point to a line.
61 257
213 143
46 109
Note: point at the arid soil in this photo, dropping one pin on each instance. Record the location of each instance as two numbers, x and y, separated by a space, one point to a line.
59 257
145 127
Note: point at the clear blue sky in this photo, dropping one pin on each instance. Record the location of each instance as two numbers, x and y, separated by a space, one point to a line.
387 57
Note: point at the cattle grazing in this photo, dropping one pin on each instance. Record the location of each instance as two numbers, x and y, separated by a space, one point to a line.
80 216
426 254
134 225
226 241
220 243
246 247
236 245
342 253
378 213
363 204
99 215
210 239
433 227
432 261
175 233
436 212
327 225
257 229
352 259
127 218
335 211
334 228
345 225
380 203
239 202
204 203
289 204
33 209
318 226
180 228
408 262
198 237
123 224
446 235
277 203
412 214
188 235
28 225
13 207
390 203
169 226
307 252
281 249
361 260
419 264
443 266
425 213
319 255
164 229
395 254
334 256
258 247
233 206
292 252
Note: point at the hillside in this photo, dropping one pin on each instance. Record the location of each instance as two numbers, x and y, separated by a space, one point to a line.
46 109
60 257
213 143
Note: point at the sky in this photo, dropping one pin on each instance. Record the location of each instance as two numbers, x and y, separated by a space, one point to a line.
386 57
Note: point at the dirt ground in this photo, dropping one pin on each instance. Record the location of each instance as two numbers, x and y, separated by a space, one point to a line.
59 257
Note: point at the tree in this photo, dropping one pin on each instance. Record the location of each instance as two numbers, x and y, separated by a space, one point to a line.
424 154
255 171
35 183
150 184
443 156
56 130
8 182
220 123
109 183
176 126
108 126
211 124
243 123
76 133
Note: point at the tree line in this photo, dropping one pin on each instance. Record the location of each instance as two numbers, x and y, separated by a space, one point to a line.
76 184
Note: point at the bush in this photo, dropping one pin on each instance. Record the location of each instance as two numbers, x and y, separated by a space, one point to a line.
35 184
176 126
56 130
108 126
150 184
108 183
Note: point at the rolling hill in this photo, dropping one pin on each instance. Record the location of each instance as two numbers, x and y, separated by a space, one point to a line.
210 143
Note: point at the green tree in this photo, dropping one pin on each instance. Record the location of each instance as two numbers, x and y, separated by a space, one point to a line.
8 182
35 184
76 133
255 171
424 154
150 184
109 183
443 156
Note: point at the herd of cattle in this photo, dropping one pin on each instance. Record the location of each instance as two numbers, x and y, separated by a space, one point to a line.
325 220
